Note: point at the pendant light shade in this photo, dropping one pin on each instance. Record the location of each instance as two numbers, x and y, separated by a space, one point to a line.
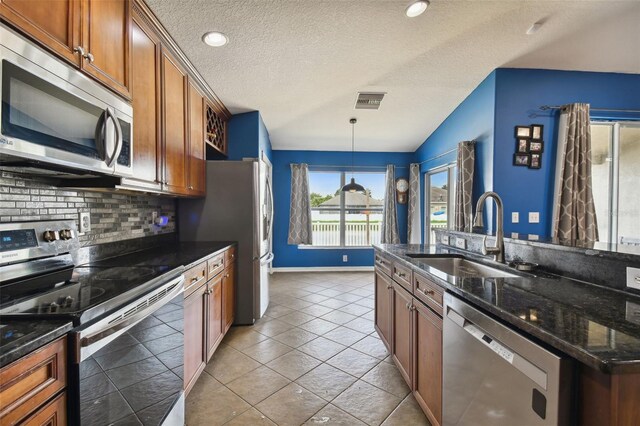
353 186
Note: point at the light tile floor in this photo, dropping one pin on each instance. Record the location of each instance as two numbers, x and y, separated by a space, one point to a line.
314 359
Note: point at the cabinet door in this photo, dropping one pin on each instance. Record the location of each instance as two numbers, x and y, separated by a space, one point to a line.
196 142
145 89
52 414
195 313
214 321
427 362
382 313
173 124
106 36
55 24
401 346
229 295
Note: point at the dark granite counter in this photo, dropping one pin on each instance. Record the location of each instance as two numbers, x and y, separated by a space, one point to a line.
596 325
20 337
173 255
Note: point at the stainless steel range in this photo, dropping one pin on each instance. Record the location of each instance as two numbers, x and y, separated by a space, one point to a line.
126 348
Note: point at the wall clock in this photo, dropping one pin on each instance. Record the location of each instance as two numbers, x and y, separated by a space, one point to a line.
402 188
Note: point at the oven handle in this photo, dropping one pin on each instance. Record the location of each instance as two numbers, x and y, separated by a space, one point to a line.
109 331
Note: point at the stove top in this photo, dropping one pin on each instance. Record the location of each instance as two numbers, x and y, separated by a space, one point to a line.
83 293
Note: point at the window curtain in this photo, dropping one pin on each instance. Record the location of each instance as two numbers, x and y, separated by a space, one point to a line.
390 216
464 186
414 230
574 214
300 209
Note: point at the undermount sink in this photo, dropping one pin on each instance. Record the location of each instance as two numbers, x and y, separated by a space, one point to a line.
458 266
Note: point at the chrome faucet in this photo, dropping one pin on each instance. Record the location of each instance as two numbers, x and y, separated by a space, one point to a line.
498 250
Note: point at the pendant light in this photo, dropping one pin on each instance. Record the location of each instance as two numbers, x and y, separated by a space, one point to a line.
353 186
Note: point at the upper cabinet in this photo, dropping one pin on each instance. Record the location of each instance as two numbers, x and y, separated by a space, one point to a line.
196 162
106 38
92 34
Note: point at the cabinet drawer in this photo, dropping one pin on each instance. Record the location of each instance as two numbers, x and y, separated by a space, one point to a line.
428 292
30 381
215 265
382 264
52 414
402 275
194 277
230 256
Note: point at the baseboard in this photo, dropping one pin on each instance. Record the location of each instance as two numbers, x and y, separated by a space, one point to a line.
324 269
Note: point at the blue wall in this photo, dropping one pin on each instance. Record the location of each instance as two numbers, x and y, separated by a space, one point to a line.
473 119
290 255
519 94
247 136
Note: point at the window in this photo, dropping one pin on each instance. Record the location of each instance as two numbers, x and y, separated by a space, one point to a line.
346 219
439 187
615 154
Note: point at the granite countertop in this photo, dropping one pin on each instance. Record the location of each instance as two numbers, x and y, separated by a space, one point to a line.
20 337
173 255
595 325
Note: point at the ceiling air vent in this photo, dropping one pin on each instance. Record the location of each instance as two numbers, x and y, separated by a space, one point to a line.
369 100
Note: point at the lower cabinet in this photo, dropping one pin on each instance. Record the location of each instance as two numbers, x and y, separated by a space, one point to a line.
214 309
195 327
402 331
52 414
427 361
383 296
209 309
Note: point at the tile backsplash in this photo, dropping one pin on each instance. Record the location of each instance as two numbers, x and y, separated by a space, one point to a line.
115 216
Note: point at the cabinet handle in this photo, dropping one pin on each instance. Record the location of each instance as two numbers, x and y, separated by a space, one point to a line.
426 292
207 292
88 57
402 274
194 280
226 276
80 50
190 186
413 308
390 286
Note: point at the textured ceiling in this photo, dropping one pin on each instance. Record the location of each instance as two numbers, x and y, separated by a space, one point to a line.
300 63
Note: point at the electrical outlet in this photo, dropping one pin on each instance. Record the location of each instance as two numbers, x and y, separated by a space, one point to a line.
515 217
154 218
632 313
461 243
445 240
345 258
84 219
515 235
534 217
533 237
633 278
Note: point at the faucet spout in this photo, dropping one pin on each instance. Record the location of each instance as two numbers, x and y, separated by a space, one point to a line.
498 250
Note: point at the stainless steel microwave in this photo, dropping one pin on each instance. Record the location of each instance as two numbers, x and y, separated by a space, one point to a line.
54 117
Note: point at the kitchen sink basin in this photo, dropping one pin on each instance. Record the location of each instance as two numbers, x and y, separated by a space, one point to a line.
458 266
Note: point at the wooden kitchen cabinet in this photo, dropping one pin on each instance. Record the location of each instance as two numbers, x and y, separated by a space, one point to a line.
54 24
174 115
229 296
145 90
106 37
52 414
196 160
427 361
195 328
382 313
93 35
215 331
401 346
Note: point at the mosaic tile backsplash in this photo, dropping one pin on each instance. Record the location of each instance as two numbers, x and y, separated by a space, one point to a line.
115 216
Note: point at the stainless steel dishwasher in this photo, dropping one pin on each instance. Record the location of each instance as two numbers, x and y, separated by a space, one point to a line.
494 376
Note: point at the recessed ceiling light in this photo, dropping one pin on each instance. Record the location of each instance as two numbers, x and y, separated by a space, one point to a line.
215 39
416 8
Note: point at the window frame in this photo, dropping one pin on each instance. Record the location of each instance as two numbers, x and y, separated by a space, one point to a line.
450 168
342 209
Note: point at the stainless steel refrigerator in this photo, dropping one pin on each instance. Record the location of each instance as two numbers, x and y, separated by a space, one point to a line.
238 207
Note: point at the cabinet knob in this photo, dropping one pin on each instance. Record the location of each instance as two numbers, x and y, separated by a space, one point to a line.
80 50
88 57
389 287
227 276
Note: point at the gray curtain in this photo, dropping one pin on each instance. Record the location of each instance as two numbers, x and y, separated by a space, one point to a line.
300 210
464 186
390 216
414 230
574 215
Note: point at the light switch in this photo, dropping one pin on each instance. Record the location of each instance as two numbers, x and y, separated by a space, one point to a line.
633 278
345 258
632 312
534 217
515 217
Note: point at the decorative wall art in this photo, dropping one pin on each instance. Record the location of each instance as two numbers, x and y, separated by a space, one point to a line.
529 146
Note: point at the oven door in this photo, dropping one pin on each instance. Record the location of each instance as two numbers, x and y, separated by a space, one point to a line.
128 367
54 116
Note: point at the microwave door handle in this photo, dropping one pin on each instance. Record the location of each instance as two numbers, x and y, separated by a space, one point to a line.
117 146
101 127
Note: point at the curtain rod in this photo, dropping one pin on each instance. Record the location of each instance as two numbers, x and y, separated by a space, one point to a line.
548 107
349 166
